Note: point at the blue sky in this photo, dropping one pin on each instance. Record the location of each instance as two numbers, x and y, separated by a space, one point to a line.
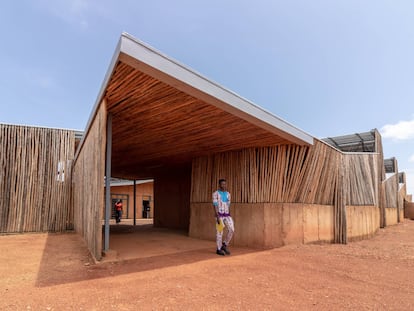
328 67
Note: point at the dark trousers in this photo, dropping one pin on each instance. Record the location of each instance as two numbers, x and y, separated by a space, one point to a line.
118 216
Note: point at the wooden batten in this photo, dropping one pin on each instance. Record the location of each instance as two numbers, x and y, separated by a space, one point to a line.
155 124
88 184
35 179
381 178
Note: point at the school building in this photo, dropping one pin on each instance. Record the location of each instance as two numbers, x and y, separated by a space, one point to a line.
158 121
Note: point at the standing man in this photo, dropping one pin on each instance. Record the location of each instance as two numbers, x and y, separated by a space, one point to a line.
118 210
221 204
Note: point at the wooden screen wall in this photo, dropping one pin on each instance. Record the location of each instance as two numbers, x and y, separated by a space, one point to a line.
88 184
381 177
318 174
284 173
390 192
361 179
402 195
35 179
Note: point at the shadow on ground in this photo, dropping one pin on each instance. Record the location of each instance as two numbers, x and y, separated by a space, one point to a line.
65 258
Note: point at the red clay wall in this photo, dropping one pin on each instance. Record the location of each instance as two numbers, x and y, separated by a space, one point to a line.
146 189
409 210
172 198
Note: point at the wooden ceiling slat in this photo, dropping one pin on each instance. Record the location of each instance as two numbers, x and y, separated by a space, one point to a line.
154 123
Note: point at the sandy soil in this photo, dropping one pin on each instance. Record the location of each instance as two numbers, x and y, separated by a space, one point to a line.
54 272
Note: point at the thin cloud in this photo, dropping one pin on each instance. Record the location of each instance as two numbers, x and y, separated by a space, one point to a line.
402 130
411 159
70 11
39 80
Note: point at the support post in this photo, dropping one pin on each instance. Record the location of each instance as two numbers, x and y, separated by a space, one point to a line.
108 203
398 186
135 202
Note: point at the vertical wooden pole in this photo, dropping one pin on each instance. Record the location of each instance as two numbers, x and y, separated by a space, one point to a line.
108 179
135 202
398 186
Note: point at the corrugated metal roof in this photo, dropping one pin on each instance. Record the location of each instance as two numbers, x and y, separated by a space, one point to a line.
358 142
390 165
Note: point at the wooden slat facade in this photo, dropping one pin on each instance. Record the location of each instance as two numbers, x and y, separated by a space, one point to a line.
381 177
88 183
361 179
283 173
318 174
390 192
34 196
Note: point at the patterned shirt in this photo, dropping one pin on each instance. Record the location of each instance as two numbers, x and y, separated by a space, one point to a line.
221 200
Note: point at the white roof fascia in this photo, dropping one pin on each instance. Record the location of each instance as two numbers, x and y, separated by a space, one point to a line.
152 62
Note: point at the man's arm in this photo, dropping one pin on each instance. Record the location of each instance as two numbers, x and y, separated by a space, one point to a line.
215 206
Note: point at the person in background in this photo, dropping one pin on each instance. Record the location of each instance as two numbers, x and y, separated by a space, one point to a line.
221 205
118 211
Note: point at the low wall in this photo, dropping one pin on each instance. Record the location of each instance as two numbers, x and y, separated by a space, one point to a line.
267 225
362 221
391 217
409 210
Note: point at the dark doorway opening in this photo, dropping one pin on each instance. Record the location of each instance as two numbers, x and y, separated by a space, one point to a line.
146 207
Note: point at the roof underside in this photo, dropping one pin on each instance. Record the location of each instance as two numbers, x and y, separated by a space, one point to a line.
358 142
165 114
154 124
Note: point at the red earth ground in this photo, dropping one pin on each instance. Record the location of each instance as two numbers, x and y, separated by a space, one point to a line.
55 272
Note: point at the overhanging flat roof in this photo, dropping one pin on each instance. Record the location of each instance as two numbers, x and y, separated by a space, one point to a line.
158 65
163 111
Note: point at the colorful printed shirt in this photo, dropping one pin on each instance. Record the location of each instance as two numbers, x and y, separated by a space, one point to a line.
221 200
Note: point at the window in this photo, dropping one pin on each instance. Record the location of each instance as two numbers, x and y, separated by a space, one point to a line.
61 171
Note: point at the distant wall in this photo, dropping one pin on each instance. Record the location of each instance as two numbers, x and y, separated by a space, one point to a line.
362 221
267 225
35 179
146 189
409 210
172 198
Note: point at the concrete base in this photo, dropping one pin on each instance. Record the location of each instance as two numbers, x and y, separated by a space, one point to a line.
362 221
109 255
391 216
267 225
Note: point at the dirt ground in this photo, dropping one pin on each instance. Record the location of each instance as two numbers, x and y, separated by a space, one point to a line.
54 272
